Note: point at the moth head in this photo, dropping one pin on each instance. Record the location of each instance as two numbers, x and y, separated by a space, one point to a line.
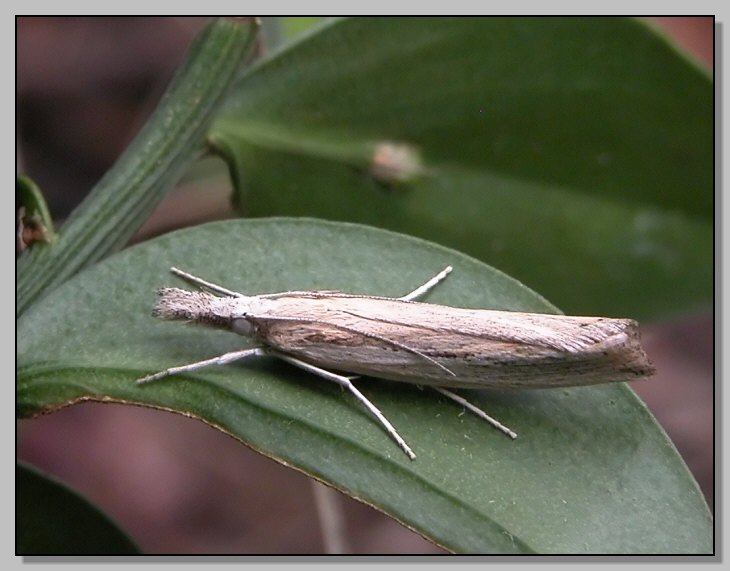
197 307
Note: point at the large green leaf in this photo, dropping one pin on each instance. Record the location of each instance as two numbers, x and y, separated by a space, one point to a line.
51 519
590 471
575 154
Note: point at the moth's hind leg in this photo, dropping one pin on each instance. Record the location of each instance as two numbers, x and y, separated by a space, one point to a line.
429 285
476 410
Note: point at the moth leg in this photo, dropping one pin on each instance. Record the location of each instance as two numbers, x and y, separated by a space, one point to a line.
202 284
347 383
219 360
429 285
478 411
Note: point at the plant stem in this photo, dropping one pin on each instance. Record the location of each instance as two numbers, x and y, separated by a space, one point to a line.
152 164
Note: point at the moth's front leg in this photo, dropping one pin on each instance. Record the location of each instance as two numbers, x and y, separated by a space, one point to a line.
220 360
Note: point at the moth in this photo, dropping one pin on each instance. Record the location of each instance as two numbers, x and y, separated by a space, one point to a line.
341 336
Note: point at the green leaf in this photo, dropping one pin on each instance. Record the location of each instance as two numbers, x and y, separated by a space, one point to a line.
278 30
573 153
591 472
151 165
51 519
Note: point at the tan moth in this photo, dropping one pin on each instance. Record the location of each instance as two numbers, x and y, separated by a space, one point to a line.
340 336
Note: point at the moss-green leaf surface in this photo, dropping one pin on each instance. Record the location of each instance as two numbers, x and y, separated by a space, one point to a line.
575 154
51 519
590 472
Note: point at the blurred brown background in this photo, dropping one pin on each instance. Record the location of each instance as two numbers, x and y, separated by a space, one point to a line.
174 484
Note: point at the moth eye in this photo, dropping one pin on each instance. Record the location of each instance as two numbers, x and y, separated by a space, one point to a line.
242 326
